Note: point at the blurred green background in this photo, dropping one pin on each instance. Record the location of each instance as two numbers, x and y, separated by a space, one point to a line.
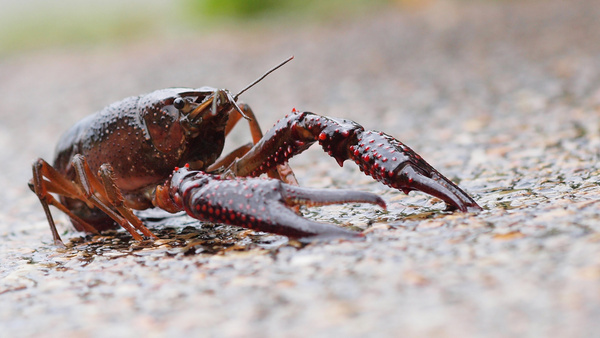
39 24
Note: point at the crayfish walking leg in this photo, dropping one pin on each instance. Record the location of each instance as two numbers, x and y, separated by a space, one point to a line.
377 154
98 191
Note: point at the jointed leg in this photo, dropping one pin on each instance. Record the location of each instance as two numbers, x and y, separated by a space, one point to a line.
116 199
234 118
55 183
281 171
87 188
105 196
379 155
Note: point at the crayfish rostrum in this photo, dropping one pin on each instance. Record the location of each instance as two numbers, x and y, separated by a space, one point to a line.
163 149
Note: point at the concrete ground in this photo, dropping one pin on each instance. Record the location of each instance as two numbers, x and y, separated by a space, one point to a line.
501 97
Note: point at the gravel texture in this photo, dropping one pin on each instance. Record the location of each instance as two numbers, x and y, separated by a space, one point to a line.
501 97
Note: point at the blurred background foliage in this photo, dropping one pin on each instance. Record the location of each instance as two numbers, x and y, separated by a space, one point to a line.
40 24
280 9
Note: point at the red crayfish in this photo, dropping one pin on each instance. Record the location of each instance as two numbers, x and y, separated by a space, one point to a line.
119 159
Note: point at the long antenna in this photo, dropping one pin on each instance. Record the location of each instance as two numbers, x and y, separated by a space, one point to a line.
262 77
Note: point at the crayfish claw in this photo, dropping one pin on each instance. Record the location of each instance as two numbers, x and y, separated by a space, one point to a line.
377 154
255 203
393 163
295 195
434 184
284 221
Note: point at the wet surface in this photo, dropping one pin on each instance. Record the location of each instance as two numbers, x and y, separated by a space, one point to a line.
502 98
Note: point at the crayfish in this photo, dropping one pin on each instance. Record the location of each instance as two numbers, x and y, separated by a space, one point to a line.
163 149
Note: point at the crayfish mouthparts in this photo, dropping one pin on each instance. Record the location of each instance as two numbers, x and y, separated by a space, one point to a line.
261 204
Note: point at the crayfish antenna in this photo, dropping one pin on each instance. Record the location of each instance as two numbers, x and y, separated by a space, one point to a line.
235 98
239 110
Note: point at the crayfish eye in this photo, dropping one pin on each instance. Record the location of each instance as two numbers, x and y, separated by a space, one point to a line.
179 103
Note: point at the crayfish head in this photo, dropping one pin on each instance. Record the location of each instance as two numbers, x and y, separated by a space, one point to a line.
173 115
199 106
160 119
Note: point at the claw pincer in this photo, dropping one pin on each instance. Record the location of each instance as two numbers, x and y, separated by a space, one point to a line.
377 154
256 203
391 162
